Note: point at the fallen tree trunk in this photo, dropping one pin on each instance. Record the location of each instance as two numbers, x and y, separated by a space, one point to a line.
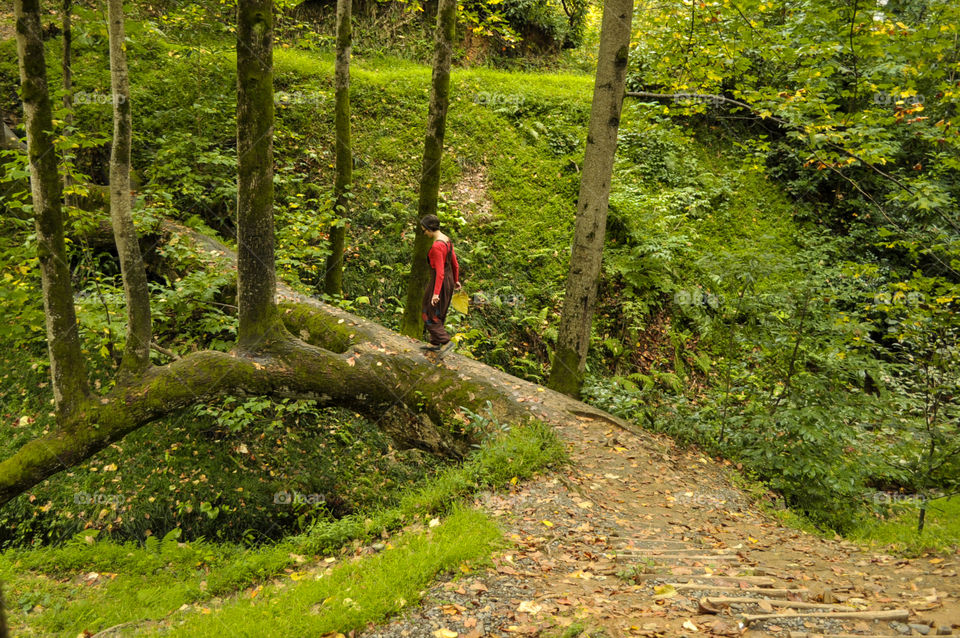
335 358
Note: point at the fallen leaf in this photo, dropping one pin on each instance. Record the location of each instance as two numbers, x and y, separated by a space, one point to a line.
664 591
704 606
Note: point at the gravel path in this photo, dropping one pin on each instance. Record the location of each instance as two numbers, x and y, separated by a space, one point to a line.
633 537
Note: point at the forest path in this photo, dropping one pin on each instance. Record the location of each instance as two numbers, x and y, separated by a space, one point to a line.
618 542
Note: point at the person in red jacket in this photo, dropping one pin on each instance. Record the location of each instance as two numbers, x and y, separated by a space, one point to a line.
440 287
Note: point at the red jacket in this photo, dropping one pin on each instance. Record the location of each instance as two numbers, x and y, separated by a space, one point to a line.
438 259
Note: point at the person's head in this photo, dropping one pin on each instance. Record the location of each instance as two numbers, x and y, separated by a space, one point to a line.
430 224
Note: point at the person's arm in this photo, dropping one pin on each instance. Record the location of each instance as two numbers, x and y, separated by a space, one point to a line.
437 257
456 269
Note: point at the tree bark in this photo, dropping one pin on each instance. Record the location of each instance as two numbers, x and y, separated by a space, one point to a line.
3 616
67 68
573 339
67 366
256 271
412 322
136 354
333 279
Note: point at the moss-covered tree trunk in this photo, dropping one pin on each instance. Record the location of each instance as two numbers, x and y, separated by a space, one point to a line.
412 322
576 319
136 354
333 279
256 271
67 366
3 616
67 68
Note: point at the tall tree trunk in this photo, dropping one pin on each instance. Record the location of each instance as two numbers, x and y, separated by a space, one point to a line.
333 280
3 616
67 67
573 339
256 271
136 354
67 366
412 322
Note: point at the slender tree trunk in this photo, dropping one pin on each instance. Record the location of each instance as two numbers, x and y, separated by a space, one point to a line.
412 322
67 366
576 319
67 65
136 354
3 616
333 280
256 271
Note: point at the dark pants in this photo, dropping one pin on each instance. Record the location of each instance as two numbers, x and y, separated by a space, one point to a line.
438 334
434 316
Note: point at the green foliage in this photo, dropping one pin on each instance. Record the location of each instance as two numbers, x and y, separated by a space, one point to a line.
896 527
147 581
354 594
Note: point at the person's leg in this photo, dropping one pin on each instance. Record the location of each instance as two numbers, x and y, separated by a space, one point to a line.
438 334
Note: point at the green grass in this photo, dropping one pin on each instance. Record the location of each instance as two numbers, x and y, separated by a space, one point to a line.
47 589
898 531
355 593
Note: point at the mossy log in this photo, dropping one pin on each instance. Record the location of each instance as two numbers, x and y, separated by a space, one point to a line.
328 355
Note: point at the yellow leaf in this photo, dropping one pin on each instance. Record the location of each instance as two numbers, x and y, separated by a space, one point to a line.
664 591
460 302
445 633
547 523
